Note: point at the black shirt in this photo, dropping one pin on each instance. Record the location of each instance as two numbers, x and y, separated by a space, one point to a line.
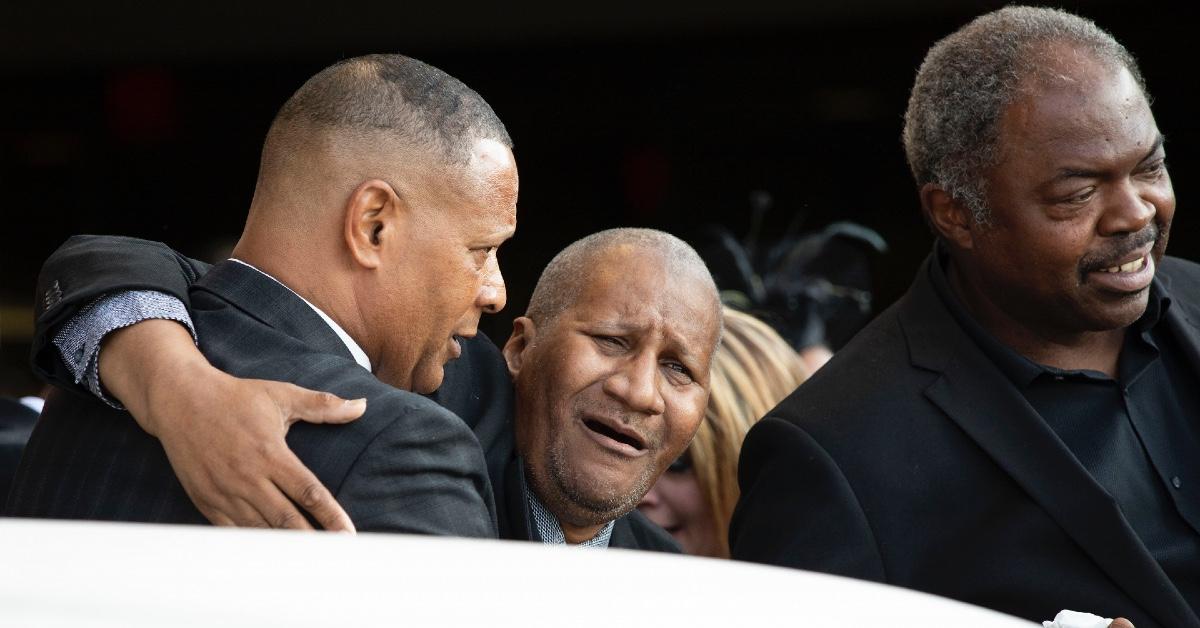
1137 435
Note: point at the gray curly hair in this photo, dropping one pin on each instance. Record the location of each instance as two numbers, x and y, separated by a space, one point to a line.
967 79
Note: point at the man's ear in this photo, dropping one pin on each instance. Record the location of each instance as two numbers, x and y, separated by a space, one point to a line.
949 217
521 339
374 213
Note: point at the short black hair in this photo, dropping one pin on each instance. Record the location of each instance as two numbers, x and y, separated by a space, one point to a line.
398 95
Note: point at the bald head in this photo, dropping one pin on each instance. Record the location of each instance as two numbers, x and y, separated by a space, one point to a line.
611 366
561 281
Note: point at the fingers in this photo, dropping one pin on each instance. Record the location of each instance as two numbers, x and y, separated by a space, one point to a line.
1121 622
267 507
298 483
315 406
275 511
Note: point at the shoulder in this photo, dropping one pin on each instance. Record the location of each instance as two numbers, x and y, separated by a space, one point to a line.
1183 275
419 418
405 465
635 531
872 372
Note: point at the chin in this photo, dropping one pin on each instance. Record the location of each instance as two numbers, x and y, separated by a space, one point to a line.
592 503
1116 312
426 383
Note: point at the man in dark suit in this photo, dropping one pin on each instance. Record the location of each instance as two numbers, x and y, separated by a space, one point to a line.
1019 431
368 250
16 423
632 432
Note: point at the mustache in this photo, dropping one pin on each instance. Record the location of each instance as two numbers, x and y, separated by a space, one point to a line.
1120 248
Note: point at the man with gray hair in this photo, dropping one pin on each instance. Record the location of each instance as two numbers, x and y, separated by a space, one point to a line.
1019 430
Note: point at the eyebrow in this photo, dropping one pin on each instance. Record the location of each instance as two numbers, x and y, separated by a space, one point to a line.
502 235
1072 173
684 351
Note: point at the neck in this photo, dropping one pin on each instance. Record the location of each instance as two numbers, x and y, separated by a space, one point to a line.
1096 351
578 534
303 268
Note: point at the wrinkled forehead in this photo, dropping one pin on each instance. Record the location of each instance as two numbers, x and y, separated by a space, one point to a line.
646 290
1077 101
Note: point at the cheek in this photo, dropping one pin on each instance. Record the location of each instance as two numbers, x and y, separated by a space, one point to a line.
683 418
1163 198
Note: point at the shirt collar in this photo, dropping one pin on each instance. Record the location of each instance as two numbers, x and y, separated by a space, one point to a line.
1019 369
551 532
356 351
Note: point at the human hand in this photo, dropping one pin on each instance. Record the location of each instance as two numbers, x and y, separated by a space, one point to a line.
1121 622
224 436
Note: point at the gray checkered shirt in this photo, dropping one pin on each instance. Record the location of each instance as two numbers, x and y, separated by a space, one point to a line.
79 339
551 532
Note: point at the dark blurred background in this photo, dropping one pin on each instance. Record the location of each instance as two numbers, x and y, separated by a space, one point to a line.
146 119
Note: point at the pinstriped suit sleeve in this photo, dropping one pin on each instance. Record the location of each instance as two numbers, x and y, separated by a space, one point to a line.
87 267
424 473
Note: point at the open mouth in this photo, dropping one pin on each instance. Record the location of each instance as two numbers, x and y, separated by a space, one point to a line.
1124 277
625 438
1129 267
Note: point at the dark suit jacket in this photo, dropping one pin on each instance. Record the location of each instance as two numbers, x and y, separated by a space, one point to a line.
910 459
476 387
16 423
407 465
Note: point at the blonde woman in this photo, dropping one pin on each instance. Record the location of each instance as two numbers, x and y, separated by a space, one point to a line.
754 369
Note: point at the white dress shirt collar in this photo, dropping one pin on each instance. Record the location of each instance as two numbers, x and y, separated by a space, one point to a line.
360 356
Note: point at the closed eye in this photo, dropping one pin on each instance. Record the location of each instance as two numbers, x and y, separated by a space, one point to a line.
610 342
1155 169
1082 197
680 370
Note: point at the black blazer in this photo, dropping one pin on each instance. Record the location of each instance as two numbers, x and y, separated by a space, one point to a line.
16 423
477 387
407 465
910 459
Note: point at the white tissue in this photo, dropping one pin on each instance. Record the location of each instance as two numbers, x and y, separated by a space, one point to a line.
1074 619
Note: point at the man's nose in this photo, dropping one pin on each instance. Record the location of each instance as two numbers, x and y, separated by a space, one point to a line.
1131 209
636 384
492 293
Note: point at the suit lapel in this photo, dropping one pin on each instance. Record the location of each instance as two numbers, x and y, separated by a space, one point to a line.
1183 322
975 394
515 520
272 304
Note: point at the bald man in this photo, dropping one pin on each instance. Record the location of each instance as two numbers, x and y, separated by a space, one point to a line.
610 365
385 188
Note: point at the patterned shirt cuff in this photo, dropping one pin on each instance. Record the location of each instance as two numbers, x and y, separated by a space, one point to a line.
78 341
